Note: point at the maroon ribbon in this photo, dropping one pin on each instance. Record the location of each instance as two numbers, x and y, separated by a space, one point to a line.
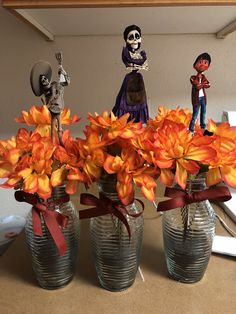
103 206
53 220
180 198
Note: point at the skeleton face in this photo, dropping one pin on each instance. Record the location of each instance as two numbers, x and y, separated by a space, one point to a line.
44 80
133 40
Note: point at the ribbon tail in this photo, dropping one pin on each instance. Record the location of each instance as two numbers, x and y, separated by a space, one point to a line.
222 194
88 199
36 219
55 231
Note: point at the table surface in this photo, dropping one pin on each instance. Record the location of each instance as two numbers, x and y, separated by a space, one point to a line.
215 293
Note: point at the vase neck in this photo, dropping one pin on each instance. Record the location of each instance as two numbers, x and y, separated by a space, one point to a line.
108 188
195 185
58 193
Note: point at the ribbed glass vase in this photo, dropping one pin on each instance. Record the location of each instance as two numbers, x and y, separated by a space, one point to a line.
116 256
188 234
52 270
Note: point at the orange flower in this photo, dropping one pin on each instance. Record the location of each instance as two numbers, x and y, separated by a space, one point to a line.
176 150
112 127
9 156
28 162
223 166
224 129
80 161
129 168
177 115
40 117
35 168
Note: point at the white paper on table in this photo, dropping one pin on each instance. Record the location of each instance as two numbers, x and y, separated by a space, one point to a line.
224 245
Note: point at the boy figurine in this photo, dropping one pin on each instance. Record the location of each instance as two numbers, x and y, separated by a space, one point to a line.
199 84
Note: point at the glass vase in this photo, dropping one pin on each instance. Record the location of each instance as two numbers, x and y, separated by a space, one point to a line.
52 270
188 234
116 256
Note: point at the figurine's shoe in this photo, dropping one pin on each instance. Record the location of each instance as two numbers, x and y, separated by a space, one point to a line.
192 132
208 133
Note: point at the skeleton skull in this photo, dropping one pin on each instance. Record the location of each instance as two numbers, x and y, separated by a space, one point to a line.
133 40
44 80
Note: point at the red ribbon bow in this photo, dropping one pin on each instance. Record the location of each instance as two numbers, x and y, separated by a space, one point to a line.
180 198
103 206
53 220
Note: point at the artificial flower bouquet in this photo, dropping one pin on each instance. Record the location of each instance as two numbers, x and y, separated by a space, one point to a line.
128 151
116 150
32 162
178 155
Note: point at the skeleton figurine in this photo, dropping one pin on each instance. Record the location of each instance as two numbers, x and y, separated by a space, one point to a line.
52 92
132 97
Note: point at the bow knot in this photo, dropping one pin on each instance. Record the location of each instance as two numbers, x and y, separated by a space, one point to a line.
53 220
179 198
103 206
192 197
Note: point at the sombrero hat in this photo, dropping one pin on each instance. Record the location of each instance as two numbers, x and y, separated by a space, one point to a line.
40 68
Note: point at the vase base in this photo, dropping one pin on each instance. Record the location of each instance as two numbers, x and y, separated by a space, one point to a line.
115 289
54 287
185 280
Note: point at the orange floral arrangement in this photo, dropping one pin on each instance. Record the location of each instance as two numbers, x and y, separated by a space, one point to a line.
114 148
167 143
28 159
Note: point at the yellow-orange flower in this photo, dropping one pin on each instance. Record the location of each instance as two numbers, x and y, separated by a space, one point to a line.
129 168
223 166
177 115
177 153
40 117
112 127
80 161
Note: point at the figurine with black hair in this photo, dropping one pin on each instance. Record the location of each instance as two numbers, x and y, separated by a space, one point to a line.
132 97
52 92
199 84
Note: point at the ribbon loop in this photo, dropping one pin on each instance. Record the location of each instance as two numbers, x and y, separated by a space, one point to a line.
53 220
179 198
103 206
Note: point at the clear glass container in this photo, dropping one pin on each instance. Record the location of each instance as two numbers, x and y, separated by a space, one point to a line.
188 234
116 256
52 270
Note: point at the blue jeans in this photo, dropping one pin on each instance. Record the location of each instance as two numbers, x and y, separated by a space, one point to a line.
202 104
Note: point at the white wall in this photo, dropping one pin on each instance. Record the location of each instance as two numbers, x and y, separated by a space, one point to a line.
96 70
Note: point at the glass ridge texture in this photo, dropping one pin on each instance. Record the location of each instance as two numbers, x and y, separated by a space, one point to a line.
52 270
188 234
116 257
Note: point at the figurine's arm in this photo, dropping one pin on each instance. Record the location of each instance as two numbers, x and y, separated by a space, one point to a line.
51 94
205 82
66 79
128 61
194 79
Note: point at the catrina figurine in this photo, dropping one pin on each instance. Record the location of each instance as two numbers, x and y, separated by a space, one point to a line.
132 97
199 84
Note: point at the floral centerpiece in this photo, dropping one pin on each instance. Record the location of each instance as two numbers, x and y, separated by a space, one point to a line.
36 166
177 155
28 162
122 153
191 162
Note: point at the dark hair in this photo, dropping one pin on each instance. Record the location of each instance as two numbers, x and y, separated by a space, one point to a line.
204 56
129 29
